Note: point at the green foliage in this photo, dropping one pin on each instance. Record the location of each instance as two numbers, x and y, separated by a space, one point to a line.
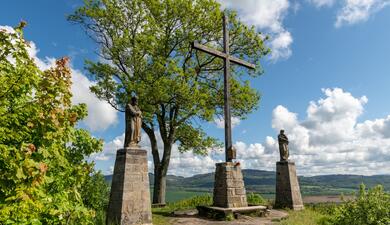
95 193
370 207
256 199
191 203
229 217
148 45
42 154
147 50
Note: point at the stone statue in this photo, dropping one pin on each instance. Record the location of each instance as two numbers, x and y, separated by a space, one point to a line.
283 146
133 123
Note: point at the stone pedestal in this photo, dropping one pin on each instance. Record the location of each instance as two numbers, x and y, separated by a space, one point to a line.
229 189
288 194
130 194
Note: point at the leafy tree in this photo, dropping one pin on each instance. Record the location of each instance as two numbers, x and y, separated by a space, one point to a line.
95 193
41 151
145 46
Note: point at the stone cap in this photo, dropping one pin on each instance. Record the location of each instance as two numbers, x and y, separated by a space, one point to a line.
132 151
228 164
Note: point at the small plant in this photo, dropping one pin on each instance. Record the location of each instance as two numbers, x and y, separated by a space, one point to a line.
256 199
191 203
229 217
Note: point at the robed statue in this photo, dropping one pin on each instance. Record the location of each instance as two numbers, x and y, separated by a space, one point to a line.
283 146
133 123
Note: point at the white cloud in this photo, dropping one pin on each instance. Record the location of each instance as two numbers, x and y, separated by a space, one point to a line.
352 11
355 11
331 140
179 163
100 114
322 3
268 16
220 122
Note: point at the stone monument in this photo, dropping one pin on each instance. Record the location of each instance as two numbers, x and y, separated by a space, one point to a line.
229 194
288 194
130 194
229 189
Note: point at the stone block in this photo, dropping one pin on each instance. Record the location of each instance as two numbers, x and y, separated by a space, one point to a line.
130 195
288 194
229 179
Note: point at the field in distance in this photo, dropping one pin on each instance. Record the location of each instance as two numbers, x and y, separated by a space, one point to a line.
263 182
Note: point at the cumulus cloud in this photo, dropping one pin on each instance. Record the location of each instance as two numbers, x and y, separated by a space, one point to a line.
100 114
329 140
268 16
322 3
355 11
181 164
352 11
220 122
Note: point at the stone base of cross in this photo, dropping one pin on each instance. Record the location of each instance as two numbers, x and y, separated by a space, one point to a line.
229 188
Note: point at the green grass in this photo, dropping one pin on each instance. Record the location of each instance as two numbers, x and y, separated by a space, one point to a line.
160 219
303 217
177 195
161 215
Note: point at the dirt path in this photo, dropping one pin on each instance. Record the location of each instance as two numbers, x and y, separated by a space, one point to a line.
243 220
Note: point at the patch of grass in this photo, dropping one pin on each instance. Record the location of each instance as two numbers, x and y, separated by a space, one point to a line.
303 217
161 215
160 220
256 199
191 203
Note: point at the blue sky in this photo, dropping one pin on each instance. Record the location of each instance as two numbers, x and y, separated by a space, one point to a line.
337 51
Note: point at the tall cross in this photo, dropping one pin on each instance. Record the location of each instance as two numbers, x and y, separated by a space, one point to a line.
227 58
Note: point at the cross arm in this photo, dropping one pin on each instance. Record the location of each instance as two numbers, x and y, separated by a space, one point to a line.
222 55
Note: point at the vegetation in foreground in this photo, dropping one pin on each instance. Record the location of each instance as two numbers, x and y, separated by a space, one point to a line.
44 177
370 207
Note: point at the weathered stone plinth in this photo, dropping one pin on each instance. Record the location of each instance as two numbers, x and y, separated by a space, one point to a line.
130 195
229 188
219 213
288 194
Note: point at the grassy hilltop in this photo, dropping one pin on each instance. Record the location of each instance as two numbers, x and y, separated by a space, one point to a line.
263 182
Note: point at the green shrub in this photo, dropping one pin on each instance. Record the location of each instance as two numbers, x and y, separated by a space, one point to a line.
191 203
370 207
256 199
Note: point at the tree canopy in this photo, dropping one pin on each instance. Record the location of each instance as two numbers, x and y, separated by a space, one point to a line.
42 152
145 50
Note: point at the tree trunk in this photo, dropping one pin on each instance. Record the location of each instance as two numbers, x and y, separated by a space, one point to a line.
160 176
160 166
159 188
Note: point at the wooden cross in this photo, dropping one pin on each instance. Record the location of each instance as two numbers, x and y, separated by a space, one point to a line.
229 151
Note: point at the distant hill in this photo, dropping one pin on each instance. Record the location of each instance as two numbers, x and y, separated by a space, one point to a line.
264 182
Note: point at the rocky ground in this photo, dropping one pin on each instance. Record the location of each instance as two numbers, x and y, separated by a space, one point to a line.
274 216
